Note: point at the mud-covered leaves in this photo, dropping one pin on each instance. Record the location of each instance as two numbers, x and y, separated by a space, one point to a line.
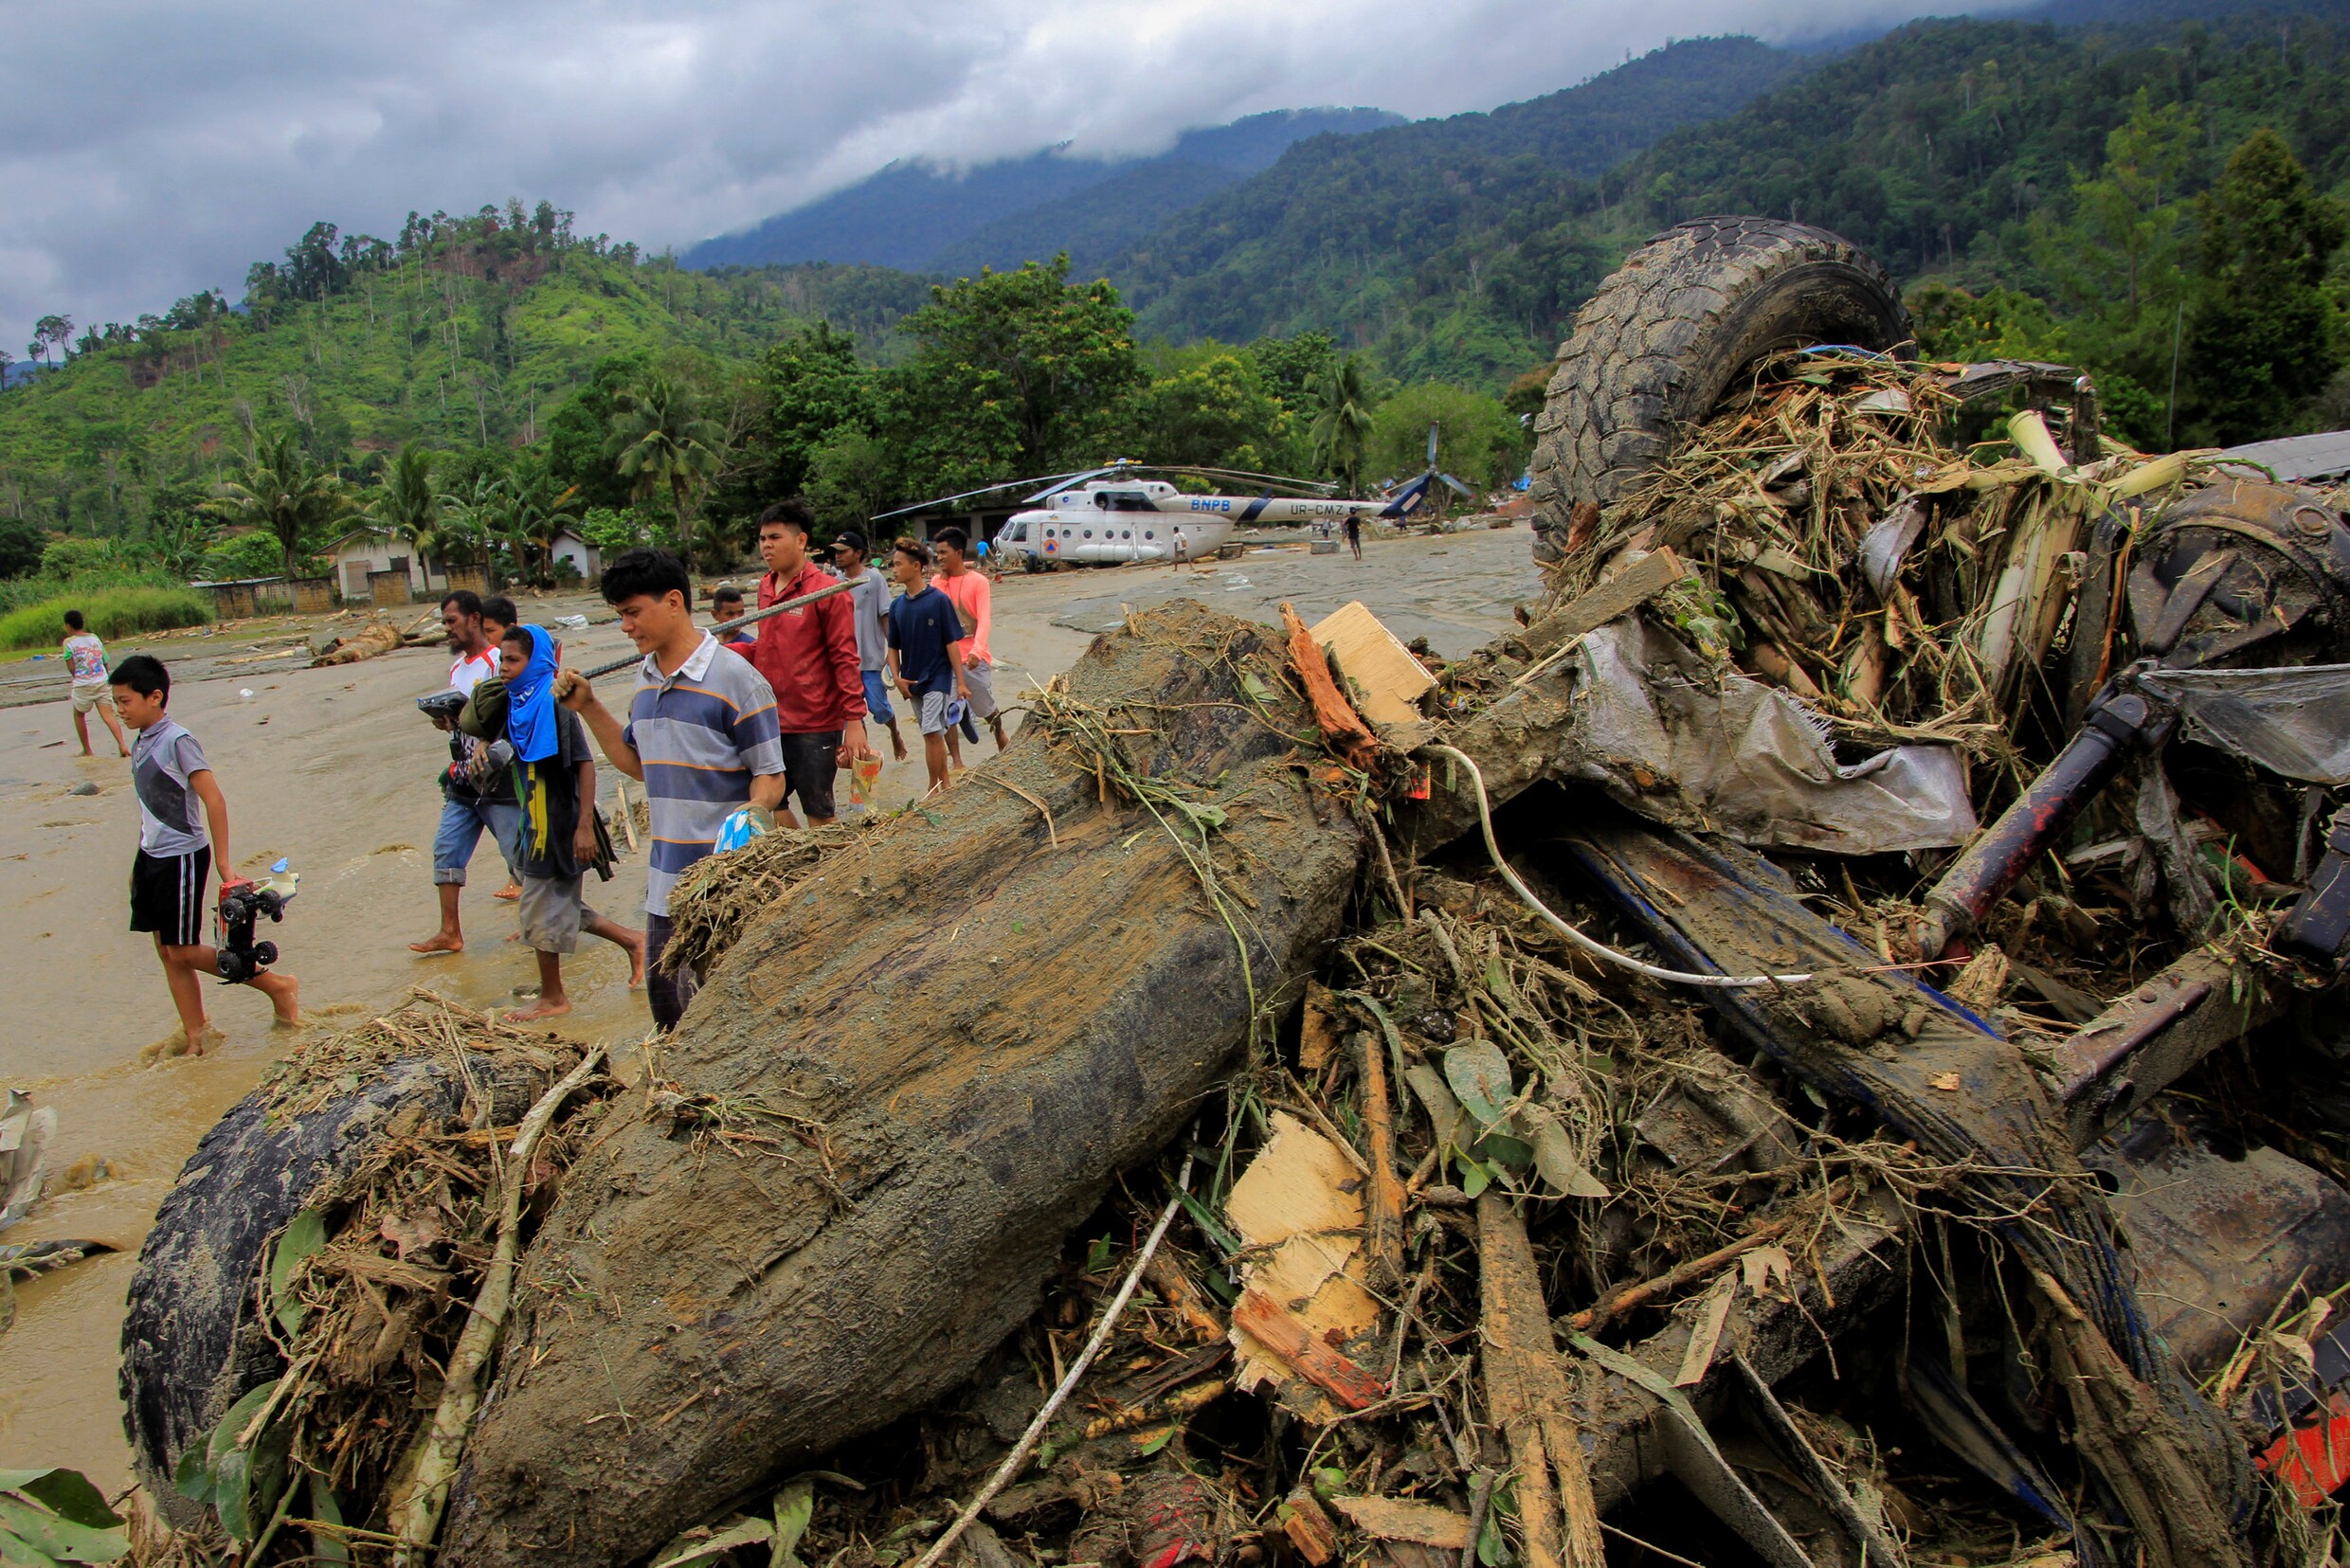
240 1467
1478 1075
297 1244
687 1549
52 1516
794 1508
795 1505
1492 1133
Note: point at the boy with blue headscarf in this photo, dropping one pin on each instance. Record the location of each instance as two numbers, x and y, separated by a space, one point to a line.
555 782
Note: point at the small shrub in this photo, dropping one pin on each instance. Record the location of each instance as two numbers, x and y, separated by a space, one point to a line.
79 557
248 555
112 612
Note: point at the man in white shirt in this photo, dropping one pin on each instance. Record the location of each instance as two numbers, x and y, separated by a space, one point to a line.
477 788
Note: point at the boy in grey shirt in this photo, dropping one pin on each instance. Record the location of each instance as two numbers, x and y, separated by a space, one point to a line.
872 598
183 824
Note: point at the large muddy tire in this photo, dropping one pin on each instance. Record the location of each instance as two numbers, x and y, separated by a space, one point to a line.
1655 351
192 1346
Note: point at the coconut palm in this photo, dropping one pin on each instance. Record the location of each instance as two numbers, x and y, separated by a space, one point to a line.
472 520
283 492
537 516
659 439
404 504
1344 423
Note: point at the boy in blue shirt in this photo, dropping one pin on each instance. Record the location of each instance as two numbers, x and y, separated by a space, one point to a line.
925 652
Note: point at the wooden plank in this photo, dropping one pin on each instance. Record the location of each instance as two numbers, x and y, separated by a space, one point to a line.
1310 1527
1638 583
1405 1519
1526 1396
1317 1039
1382 1231
1388 680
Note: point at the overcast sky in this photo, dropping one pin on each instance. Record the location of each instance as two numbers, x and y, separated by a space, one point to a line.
151 147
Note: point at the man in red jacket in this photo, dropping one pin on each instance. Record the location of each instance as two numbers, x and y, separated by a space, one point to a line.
809 656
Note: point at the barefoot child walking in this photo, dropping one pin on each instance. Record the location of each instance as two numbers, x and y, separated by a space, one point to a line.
557 843
183 825
926 653
85 666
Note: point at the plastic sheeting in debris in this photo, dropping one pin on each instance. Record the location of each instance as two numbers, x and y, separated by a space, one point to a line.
25 1133
2295 722
1748 759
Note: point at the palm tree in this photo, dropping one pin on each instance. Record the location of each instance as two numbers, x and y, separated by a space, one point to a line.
469 522
536 516
283 491
403 504
660 438
1344 423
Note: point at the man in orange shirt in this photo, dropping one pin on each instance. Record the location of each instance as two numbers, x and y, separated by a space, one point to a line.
973 602
809 656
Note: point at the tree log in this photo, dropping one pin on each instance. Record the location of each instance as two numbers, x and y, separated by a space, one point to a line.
972 1034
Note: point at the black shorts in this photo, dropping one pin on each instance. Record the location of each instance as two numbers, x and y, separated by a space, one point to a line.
810 763
167 896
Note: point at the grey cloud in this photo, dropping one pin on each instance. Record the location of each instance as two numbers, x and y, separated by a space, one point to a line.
157 148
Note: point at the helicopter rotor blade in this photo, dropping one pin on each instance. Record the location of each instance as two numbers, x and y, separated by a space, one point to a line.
1313 486
1069 481
1432 443
1455 483
983 490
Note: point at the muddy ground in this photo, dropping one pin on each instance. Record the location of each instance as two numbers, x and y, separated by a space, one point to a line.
334 769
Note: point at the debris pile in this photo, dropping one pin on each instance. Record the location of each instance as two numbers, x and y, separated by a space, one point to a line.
365 1301
1774 1061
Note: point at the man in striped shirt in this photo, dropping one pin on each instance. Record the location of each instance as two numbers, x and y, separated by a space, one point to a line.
701 736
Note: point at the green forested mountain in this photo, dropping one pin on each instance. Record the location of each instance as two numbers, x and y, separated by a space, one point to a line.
1940 147
2156 201
1351 235
924 218
466 332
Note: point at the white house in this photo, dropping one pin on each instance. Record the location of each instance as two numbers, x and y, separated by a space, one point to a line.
365 550
585 558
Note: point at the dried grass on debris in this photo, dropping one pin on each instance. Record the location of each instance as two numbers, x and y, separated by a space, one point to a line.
366 1292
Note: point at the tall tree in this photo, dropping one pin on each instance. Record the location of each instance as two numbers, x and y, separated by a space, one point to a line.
538 512
50 331
405 501
2263 341
284 492
1344 423
178 529
816 389
473 518
577 434
1017 373
660 441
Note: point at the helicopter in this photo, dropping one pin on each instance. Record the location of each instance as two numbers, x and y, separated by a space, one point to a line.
1113 514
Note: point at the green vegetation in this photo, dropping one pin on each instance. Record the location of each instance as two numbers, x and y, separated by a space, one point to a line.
1028 374
2054 193
112 610
462 333
1435 244
2157 202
